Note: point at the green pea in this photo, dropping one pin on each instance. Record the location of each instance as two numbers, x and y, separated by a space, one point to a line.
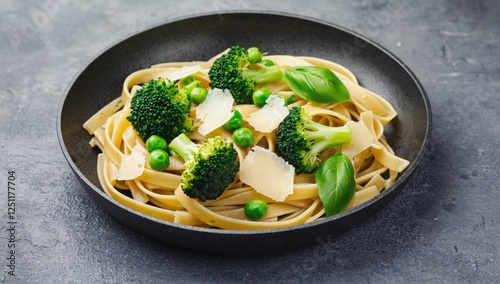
243 137
255 209
156 142
267 62
158 160
291 99
260 96
235 122
198 95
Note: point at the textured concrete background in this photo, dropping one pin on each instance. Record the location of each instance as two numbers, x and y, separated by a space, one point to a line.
443 228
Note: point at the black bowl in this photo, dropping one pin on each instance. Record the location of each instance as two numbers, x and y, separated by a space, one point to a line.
201 37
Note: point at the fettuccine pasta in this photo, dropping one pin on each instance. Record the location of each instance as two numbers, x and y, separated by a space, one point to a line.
158 193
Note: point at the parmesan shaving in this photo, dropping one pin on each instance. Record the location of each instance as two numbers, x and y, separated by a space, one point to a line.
269 117
183 72
255 171
131 166
139 147
215 110
361 139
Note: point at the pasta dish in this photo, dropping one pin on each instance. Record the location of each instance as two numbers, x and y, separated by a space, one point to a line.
276 176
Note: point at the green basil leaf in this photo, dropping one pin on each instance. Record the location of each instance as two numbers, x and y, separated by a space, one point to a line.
316 84
336 183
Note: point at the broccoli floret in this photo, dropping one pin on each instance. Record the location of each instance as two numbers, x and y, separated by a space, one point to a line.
300 140
184 82
187 87
193 89
238 72
160 108
209 167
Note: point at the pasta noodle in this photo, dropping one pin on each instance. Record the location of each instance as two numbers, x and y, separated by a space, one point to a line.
158 193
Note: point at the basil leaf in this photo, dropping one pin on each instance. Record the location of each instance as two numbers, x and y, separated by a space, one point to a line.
316 84
336 183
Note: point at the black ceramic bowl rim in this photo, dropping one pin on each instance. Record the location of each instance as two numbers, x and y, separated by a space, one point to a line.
401 180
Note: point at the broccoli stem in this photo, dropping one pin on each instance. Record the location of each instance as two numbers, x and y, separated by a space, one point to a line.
189 87
184 147
323 137
187 80
264 75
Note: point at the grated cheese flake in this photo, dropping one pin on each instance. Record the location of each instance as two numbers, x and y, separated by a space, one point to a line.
361 139
215 110
183 72
131 166
269 117
267 173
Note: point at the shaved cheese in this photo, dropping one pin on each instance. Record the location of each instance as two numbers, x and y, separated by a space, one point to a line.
140 147
176 163
267 173
269 117
183 72
361 139
129 134
215 110
131 166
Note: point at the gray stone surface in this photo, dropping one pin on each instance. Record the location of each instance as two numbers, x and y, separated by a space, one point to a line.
443 228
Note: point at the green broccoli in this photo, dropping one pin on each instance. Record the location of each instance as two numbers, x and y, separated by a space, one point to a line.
159 108
193 89
238 72
184 82
209 167
188 87
300 140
